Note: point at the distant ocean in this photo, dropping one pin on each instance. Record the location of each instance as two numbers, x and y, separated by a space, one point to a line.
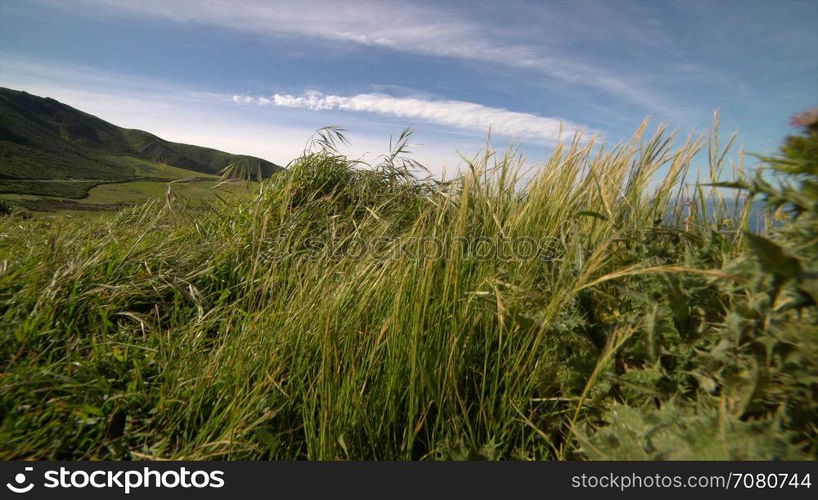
733 207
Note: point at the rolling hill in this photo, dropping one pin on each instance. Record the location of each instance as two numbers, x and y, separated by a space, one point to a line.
50 149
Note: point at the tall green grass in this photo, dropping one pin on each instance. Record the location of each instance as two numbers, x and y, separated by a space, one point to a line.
259 329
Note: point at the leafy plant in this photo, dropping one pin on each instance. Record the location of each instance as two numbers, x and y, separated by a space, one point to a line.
650 326
751 366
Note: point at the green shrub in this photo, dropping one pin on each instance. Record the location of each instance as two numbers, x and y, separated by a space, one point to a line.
230 334
746 353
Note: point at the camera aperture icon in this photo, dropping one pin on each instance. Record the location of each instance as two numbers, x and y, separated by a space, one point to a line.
20 479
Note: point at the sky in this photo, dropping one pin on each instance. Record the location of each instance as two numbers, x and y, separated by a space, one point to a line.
258 77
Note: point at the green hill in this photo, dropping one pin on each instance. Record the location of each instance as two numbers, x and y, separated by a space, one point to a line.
43 139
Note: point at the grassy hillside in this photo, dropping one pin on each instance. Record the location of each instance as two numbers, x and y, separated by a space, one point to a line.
196 193
43 139
343 313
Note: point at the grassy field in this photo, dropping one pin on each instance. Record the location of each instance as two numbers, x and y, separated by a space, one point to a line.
43 197
50 188
55 159
596 311
197 192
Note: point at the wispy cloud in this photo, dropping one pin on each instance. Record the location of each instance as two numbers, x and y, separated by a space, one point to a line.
460 114
193 116
414 28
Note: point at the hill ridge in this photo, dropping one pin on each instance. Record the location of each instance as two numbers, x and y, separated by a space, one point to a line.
42 138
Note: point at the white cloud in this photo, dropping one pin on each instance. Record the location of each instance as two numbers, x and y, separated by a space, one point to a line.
178 113
415 28
459 114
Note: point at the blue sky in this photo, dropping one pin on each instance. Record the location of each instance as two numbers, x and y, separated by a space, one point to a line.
258 77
